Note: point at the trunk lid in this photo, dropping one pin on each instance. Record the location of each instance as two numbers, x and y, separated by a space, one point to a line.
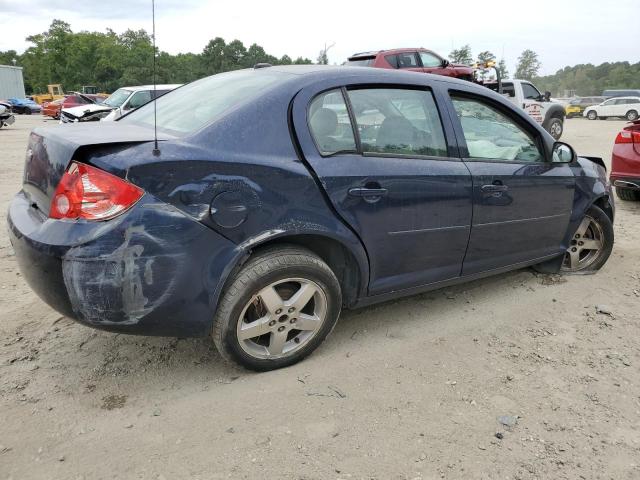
51 149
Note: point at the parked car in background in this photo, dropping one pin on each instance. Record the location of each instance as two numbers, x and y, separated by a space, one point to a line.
621 93
625 162
576 106
120 102
411 59
53 109
628 107
541 108
6 116
290 193
24 106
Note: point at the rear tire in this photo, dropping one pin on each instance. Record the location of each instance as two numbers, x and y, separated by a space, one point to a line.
592 115
264 331
628 194
632 115
591 244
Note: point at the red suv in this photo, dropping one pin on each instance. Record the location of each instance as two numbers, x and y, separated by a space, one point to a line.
413 59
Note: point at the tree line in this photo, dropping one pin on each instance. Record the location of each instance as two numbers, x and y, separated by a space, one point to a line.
110 60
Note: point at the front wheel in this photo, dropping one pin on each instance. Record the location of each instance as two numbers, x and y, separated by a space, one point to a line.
591 244
592 115
632 115
277 309
555 128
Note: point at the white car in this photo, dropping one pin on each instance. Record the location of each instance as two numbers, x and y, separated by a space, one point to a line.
628 107
119 103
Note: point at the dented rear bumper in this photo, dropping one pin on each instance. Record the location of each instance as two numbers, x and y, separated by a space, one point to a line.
123 275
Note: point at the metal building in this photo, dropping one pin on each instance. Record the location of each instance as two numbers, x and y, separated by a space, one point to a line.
11 82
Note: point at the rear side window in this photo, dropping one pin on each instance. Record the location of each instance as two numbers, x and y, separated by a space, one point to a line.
393 60
330 124
398 121
508 90
490 134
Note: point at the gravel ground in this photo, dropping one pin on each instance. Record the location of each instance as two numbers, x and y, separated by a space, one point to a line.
405 390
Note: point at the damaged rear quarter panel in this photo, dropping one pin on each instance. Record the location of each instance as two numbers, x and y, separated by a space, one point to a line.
156 272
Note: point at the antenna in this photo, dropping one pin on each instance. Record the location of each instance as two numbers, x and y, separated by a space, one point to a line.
156 150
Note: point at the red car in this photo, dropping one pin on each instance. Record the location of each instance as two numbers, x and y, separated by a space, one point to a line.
52 109
625 162
413 59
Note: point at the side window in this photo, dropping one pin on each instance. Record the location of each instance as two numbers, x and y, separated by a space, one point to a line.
330 124
530 92
139 98
407 60
508 90
610 102
492 135
398 121
429 60
393 60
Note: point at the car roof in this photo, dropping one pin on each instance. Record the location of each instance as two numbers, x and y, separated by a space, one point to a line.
389 51
151 87
624 98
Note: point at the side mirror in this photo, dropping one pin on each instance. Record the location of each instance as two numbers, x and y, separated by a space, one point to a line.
445 63
563 153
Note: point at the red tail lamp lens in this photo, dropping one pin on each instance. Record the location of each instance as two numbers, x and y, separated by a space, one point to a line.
91 194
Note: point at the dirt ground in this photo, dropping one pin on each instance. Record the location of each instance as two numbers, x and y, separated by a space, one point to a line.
410 389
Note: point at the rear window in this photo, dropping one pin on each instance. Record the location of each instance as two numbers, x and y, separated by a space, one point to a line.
361 62
189 108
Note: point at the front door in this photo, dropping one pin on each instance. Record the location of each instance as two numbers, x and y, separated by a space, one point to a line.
385 165
521 201
433 64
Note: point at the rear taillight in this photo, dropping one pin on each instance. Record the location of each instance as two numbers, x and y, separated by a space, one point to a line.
626 136
91 194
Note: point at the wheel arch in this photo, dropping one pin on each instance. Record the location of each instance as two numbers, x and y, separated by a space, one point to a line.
603 202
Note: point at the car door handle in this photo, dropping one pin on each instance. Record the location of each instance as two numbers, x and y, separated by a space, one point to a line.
367 192
494 188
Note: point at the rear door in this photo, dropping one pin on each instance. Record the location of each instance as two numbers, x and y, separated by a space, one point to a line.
384 157
522 202
409 61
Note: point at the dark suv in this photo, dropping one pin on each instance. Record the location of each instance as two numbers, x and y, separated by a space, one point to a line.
290 194
412 59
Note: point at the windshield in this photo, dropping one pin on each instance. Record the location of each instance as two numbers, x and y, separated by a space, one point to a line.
117 98
189 108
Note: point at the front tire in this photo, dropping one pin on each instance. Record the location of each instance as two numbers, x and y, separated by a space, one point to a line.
632 115
592 115
591 244
628 194
277 309
555 128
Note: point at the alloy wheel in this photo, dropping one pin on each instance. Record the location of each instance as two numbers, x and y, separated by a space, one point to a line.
585 246
281 318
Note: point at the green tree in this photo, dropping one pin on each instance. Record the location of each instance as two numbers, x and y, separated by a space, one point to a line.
486 56
528 65
502 68
462 55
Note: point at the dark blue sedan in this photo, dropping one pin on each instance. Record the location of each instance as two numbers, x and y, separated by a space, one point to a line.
289 193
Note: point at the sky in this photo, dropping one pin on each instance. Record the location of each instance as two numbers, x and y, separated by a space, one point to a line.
562 32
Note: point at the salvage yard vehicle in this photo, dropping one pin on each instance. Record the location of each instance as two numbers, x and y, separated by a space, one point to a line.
411 59
625 162
53 109
539 107
6 117
576 107
120 102
24 106
294 192
627 107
